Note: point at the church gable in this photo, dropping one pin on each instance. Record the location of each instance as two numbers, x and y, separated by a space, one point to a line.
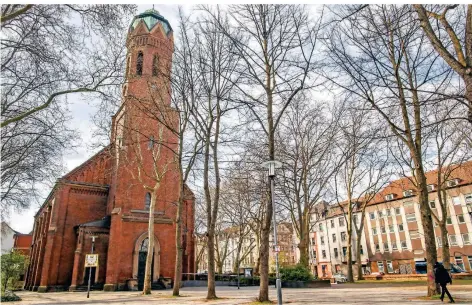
96 170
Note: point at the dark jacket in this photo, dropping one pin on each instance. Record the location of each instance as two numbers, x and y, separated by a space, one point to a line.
442 276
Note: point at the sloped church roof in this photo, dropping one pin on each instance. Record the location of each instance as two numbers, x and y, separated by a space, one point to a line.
151 17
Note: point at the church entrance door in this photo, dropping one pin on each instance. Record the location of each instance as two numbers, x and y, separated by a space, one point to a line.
142 263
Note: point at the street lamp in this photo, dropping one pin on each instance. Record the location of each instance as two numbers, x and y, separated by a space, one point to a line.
271 166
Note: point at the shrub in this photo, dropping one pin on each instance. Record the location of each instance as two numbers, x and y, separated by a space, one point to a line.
295 273
9 296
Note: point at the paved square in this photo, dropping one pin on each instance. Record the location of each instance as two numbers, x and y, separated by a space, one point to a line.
366 293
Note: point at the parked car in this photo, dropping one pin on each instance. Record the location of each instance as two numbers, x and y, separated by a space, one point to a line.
420 268
340 278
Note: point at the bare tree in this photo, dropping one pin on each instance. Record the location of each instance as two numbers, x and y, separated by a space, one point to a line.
363 172
306 141
386 64
277 45
216 62
49 52
455 45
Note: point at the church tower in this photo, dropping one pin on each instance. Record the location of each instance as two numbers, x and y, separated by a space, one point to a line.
143 144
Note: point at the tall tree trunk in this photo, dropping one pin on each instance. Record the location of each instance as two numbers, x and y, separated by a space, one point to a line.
350 275
360 275
150 253
468 77
178 240
446 256
428 230
211 294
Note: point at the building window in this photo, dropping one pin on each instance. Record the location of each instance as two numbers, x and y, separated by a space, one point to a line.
372 215
343 236
332 223
432 204
336 254
397 211
468 199
155 65
449 220
410 217
341 221
151 143
389 267
391 229
139 63
469 258
466 238
389 213
404 246
456 200
314 254
377 248
394 246
344 251
389 197
439 241
431 187
380 214
381 266
321 227
313 241
414 234
408 193
382 229
459 262
127 65
144 245
452 183
334 238
361 250
400 228
374 231
452 240
147 201
460 218
385 246
323 253
322 240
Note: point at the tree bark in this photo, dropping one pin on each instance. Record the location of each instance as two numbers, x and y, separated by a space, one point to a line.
150 253
211 293
446 256
350 276
178 241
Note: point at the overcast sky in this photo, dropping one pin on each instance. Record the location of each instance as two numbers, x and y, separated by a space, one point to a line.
81 121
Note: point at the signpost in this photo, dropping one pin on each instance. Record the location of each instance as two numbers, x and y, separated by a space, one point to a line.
91 260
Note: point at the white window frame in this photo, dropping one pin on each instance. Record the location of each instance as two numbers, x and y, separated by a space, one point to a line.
383 230
404 245
456 200
372 215
466 241
459 219
399 211
409 219
431 187
389 197
448 220
402 227
391 229
380 264
377 247
374 231
468 199
341 221
414 234
386 247
394 246
408 193
389 267
451 237
432 204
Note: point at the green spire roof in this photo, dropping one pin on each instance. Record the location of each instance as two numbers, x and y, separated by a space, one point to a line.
151 17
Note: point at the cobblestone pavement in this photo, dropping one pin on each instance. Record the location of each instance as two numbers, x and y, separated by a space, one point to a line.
337 294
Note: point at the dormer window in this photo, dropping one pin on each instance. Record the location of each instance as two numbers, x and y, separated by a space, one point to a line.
431 187
408 193
453 182
389 197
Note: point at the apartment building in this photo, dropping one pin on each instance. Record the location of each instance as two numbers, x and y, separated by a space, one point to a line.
393 236
228 243
329 241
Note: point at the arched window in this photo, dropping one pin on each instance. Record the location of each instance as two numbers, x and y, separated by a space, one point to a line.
127 65
144 245
139 64
147 202
151 143
155 65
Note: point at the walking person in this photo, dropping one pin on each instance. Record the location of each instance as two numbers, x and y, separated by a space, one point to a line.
443 278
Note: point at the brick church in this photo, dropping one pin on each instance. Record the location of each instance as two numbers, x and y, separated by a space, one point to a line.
109 195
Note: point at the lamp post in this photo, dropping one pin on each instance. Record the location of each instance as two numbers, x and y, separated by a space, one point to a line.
271 166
